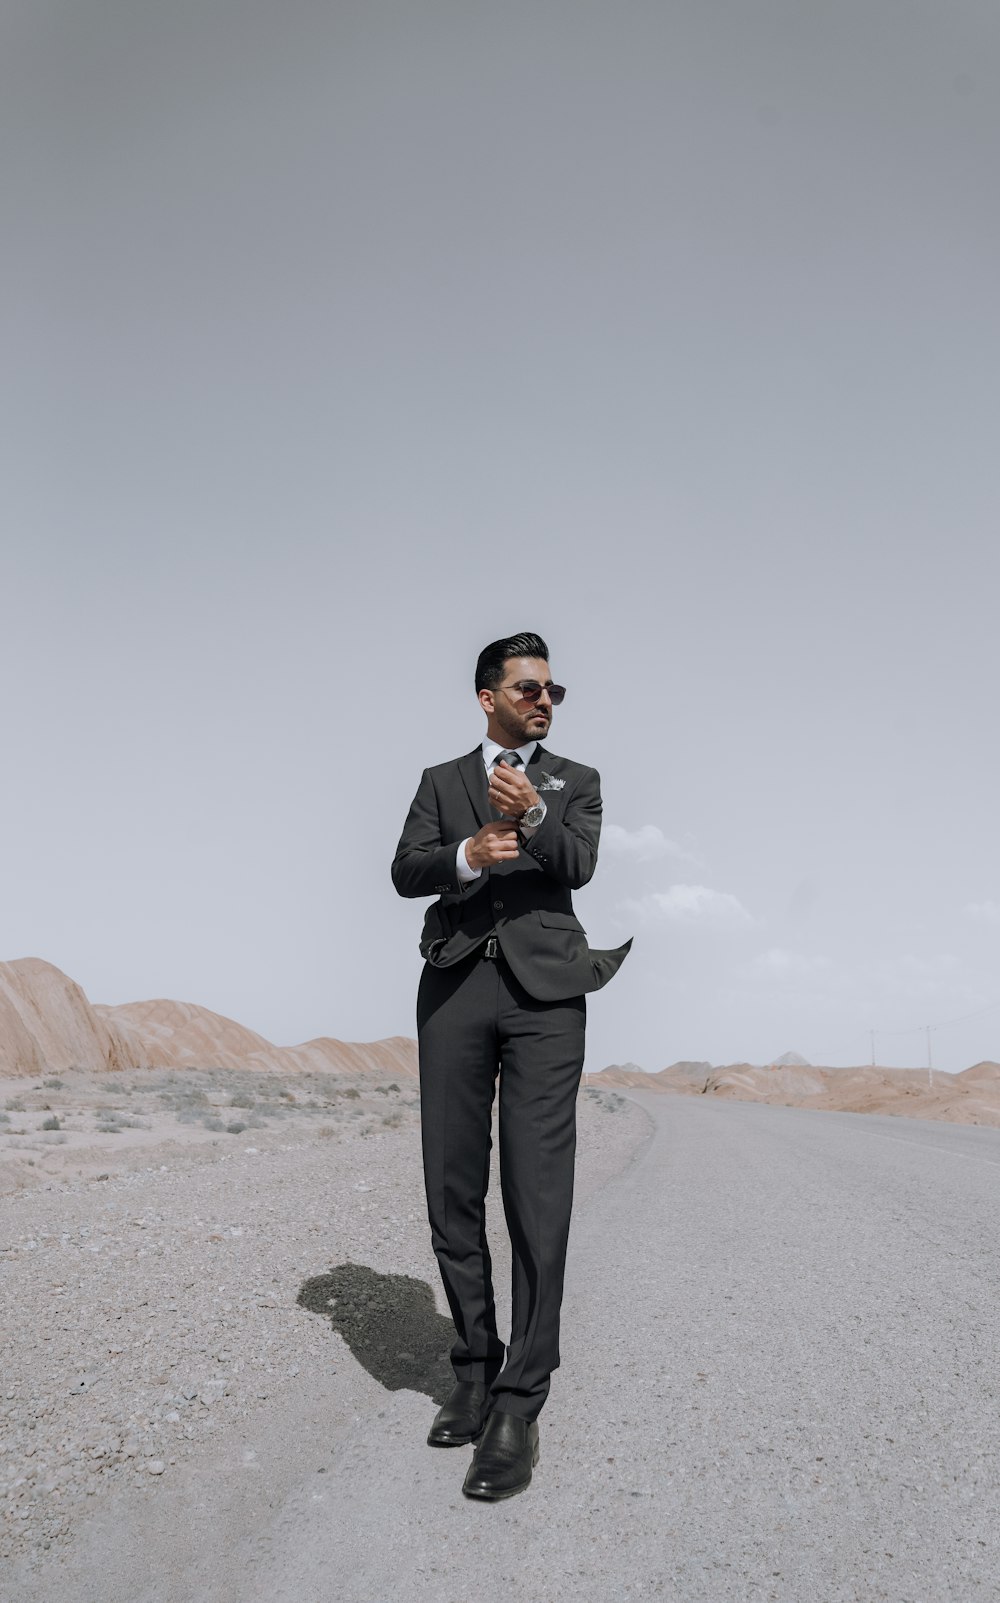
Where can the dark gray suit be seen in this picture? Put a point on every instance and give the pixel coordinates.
(522, 1015)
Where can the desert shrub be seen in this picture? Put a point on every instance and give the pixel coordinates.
(189, 1097)
(4, 1118)
(114, 1123)
(236, 1127)
(352, 1093)
(242, 1099)
(52, 1124)
(213, 1122)
(393, 1120)
(14, 1104)
(54, 1085)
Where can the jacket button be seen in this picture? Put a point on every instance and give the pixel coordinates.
(498, 907)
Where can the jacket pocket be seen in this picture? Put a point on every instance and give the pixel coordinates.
(560, 921)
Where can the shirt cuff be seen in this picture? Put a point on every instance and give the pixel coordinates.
(527, 830)
(465, 874)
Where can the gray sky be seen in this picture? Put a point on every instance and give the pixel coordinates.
(339, 340)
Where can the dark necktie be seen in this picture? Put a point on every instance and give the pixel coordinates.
(513, 760)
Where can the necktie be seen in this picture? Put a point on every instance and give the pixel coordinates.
(513, 760)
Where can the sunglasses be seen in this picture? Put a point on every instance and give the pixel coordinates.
(530, 690)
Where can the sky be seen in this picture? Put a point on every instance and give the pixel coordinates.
(342, 339)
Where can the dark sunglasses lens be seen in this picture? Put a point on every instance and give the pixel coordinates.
(531, 692)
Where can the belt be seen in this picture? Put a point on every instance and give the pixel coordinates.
(491, 949)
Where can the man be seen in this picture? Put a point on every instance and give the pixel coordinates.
(502, 836)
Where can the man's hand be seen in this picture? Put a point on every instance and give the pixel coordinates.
(494, 843)
(511, 791)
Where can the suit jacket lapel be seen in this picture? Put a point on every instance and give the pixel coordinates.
(473, 772)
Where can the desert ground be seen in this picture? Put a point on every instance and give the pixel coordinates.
(778, 1379)
(177, 1255)
(970, 1097)
(225, 1335)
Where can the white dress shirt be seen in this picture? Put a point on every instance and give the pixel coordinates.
(491, 751)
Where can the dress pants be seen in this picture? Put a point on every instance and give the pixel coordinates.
(476, 1021)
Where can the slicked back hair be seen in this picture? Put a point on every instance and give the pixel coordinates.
(489, 668)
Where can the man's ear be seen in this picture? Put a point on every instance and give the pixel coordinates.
(487, 701)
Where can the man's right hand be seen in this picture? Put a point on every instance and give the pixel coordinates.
(494, 843)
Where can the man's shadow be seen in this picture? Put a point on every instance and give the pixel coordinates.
(390, 1324)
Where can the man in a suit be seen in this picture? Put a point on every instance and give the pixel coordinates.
(502, 837)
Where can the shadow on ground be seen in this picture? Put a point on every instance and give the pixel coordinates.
(390, 1324)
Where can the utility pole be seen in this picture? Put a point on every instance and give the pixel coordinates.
(930, 1061)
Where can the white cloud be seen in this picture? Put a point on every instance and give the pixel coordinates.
(647, 844)
(690, 904)
(984, 912)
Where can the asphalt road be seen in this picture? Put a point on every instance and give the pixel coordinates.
(779, 1381)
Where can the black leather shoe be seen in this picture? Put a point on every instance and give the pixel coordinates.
(460, 1419)
(504, 1459)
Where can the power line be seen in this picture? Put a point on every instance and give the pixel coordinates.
(913, 1029)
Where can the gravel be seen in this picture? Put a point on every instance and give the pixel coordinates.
(149, 1307)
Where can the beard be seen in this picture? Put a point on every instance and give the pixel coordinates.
(520, 729)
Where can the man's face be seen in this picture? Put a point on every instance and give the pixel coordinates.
(513, 719)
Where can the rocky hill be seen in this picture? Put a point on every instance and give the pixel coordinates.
(48, 1024)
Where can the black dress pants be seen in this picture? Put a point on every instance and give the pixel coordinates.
(475, 1022)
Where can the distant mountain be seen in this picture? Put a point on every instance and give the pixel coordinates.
(47, 1023)
(790, 1060)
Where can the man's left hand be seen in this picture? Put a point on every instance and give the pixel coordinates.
(511, 790)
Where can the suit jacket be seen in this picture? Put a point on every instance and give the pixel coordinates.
(527, 902)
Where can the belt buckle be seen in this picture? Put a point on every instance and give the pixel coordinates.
(490, 949)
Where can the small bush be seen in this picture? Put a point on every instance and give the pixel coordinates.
(236, 1127)
(352, 1093)
(54, 1085)
(242, 1099)
(186, 1098)
(107, 1128)
(213, 1122)
(14, 1104)
(52, 1124)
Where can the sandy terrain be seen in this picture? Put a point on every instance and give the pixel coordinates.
(972, 1097)
(77, 1124)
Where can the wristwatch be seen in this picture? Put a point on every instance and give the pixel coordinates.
(533, 815)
